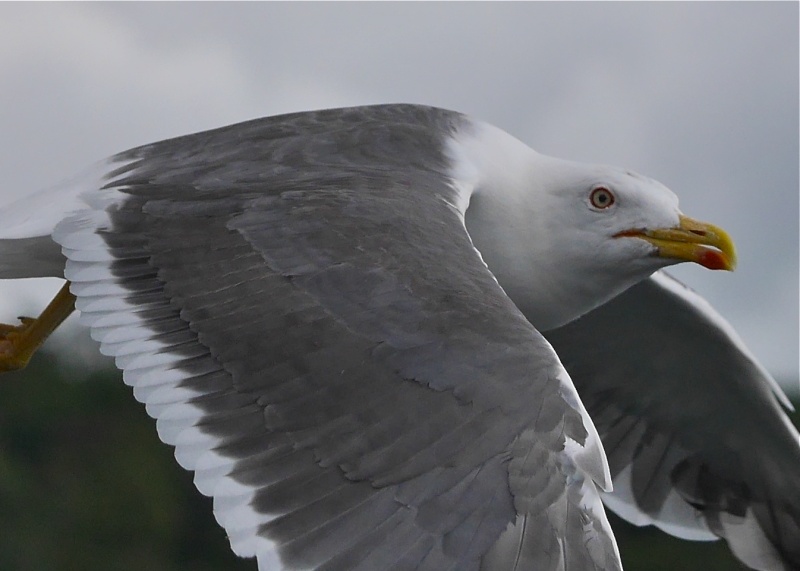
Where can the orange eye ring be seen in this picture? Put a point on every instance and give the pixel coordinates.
(601, 198)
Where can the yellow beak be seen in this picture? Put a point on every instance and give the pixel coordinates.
(692, 241)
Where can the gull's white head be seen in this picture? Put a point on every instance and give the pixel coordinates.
(564, 237)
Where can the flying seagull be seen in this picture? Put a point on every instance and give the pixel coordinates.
(396, 338)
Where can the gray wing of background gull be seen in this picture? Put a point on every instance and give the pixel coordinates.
(696, 439)
(317, 336)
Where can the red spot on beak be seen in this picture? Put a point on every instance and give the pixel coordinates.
(713, 260)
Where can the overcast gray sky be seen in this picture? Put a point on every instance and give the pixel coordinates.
(701, 96)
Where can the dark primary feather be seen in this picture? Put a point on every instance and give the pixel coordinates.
(356, 359)
(678, 402)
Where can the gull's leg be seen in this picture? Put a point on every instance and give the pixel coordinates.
(18, 343)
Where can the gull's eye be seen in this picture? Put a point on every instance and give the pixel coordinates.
(601, 197)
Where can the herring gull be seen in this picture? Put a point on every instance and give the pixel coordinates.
(363, 330)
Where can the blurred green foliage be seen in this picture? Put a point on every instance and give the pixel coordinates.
(86, 484)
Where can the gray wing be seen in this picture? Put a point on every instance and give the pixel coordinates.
(696, 439)
(297, 302)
